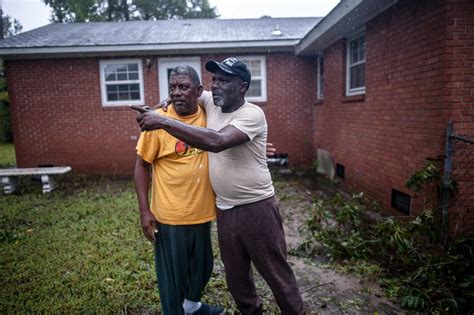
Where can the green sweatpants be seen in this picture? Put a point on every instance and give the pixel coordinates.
(183, 262)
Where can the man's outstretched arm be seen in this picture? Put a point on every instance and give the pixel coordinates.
(201, 138)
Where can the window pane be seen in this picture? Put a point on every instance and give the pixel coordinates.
(121, 68)
(357, 50)
(353, 53)
(123, 87)
(254, 63)
(121, 72)
(256, 72)
(111, 88)
(112, 96)
(112, 92)
(123, 96)
(321, 87)
(110, 77)
(255, 68)
(121, 76)
(255, 89)
(134, 87)
(111, 68)
(123, 92)
(357, 76)
(362, 48)
(321, 77)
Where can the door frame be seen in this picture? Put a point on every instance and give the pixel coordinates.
(164, 64)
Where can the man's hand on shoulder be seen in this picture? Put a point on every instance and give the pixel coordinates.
(270, 149)
(164, 104)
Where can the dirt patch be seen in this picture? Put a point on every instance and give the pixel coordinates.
(324, 291)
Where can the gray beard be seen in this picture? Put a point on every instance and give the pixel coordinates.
(219, 102)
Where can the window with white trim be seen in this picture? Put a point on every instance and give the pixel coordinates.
(257, 91)
(320, 77)
(121, 82)
(355, 70)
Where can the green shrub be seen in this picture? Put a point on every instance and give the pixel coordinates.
(6, 134)
(414, 265)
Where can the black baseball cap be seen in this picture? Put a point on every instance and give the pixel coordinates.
(232, 66)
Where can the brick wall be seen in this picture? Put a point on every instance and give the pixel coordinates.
(459, 94)
(58, 117)
(291, 91)
(383, 139)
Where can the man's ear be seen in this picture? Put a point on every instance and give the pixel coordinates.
(244, 86)
(199, 90)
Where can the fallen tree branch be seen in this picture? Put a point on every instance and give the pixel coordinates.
(315, 286)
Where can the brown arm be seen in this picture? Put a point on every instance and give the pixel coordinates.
(142, 177)
(201, 138)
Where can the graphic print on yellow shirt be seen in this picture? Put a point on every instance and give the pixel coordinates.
(184, 149)
(181, 190)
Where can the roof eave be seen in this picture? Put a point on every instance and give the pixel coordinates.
(345, 18)
(286, 45)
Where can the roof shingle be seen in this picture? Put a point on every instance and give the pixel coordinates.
(161, 32)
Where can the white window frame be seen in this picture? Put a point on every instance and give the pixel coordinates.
(167, 63)
(358, 90)
(103, 83)
(263, 77)
(320, 76)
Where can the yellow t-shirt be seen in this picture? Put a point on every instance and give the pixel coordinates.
(181, 189)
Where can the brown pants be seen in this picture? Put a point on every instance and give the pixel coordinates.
(254, 233)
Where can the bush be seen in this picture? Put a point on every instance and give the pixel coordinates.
(6, 134)
(414, 265)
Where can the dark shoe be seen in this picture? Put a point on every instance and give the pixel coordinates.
(207, 309)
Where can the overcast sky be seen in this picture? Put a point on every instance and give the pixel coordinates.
(33, 13)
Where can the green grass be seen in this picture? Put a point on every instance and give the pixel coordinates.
(7, 155)
(79, 249)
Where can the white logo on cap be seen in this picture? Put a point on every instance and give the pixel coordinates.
(230, 61)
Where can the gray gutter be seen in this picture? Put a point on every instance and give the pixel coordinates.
(155, 49)
(347, 17)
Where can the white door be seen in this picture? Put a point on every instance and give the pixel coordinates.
(165, 65)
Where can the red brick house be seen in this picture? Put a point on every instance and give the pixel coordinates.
(392, 79)
(374, 83)
(70, 84)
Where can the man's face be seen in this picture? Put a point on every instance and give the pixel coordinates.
(226, 89)
(184, 94)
